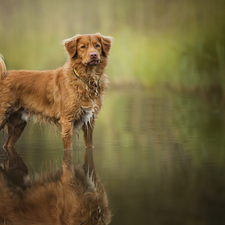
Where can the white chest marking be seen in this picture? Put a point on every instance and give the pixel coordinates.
(86, 118)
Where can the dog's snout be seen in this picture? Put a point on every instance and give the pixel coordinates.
(93, 55)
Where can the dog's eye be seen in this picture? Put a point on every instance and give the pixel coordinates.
(97, 45)
(83, 46)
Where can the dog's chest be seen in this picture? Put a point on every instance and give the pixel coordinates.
(87, 117)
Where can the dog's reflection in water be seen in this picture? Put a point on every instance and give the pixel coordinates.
(70, 195)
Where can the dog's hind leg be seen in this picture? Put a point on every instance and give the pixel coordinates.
(4, 121)
(4, 115)
(16, 124)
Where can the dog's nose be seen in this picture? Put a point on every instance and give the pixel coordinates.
(93, 55)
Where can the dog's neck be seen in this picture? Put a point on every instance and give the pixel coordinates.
(90, 72)
(93, 85)
(85, 71)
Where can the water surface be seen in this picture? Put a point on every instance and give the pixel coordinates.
(160, 156)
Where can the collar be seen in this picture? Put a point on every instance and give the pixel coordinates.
(92, 87)
(94, 216)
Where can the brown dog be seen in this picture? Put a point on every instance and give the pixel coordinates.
(70, 96)
(72, 196)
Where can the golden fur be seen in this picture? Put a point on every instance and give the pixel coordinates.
(58, 96)
(65, 196)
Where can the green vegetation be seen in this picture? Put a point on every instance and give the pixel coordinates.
(176, 43)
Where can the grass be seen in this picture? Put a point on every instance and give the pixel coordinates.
(182, 46)
(194, 63)
(141, 59)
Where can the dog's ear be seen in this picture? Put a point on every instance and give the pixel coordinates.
(71, 45)
(106, 42)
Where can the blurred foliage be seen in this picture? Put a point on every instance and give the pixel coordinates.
(178, 43)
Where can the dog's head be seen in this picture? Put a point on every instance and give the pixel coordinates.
(88, 49)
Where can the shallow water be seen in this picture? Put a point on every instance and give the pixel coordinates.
(160, 156)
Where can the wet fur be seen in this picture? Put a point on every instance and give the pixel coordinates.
(65, 196)
(58, 96)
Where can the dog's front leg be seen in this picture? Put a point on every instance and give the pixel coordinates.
(66, 133)
(88, 134)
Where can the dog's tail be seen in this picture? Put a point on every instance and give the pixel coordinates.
(2, 67)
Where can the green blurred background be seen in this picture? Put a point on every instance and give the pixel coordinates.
(173, 43)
